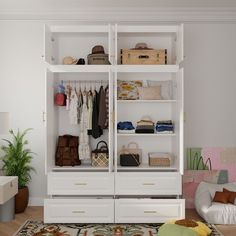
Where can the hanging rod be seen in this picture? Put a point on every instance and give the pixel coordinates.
(84, 81)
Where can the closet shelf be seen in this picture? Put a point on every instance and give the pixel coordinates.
(82, 167)
(146, 167)
(148, 68)
(146, 101)
(144, 135)
(79, 68)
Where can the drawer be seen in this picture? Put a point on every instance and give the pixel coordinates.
(148, 184)
(78, 210)
(8, 188)
(148, 210)
(80, 183)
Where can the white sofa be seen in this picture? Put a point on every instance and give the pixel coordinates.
(214, 212)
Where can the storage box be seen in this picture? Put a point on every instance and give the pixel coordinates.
(98, 59)
(143, 56)
(160, 159)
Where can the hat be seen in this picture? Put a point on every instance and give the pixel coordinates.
(98, 49)
(69, 61)
(141, 46)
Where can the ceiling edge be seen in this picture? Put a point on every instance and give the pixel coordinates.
(128, 14)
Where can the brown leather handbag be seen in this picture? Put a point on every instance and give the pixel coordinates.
(67, 151)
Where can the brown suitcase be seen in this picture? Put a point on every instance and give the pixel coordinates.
(67, 151)
(143, 56)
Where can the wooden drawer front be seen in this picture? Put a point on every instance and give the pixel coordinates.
(148, 210)
(78, 210)
(148, 184)
(80, 184)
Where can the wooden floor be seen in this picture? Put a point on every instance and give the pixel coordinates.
(36, 213)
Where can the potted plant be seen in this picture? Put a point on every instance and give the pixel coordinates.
(16, 162)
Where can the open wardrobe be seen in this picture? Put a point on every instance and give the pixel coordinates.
(114, 123)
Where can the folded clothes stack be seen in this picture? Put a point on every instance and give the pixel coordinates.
(125, 127)
(145, 126)
(165, 126)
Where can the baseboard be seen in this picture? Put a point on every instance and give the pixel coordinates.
(36, 201)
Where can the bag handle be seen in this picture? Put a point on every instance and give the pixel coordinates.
(103, 143)
(135, 159)
(134, 143)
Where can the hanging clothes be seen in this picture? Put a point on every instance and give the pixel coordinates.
(102, 108)
(90, 111)
(68, 94)
(96, 129)
(73, 109)
(84, 148)
(80, 105)
(107, 107)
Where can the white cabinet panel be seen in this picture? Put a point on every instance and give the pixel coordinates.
(148, 210)
(148, 184)
(78, 210)
(62, 183)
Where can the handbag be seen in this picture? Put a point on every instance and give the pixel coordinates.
(100, 156)
(130, 156)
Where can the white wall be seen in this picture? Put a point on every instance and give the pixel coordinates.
(210, 84)
(22, 88)
(210, 98)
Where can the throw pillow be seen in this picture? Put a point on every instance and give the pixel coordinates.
(232, 196)
(166, 88)
(128, 90)
(221, 197)
(150, 93)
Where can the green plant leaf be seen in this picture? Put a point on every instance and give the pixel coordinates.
(17, 158)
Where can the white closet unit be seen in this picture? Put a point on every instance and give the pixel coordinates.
(115, 194)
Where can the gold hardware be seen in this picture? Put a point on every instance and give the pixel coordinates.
(82, 184)
(148, 184)
(79, 212)
(149, 212)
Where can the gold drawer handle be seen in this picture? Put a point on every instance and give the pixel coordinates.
(148, 184)
(81, 184)
(78, 212)
(149, 212)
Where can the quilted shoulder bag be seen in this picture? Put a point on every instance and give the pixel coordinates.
(130, 155)
(100, 156)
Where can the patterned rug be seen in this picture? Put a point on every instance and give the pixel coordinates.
(37, 228)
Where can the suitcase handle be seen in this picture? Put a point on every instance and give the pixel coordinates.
(143, 56)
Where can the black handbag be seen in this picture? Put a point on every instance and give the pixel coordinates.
(130, 156)
(129, 160)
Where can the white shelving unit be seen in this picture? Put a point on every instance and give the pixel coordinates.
(77, 192)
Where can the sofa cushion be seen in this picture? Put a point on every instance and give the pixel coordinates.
(232, 195)
(222, 197)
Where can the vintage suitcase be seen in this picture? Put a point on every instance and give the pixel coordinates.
(143, 56)
(98, 59)
(67, 151)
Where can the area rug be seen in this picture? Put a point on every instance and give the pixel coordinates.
(37, 228)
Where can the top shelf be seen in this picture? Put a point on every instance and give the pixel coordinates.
(147, 68)
(118, 68)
